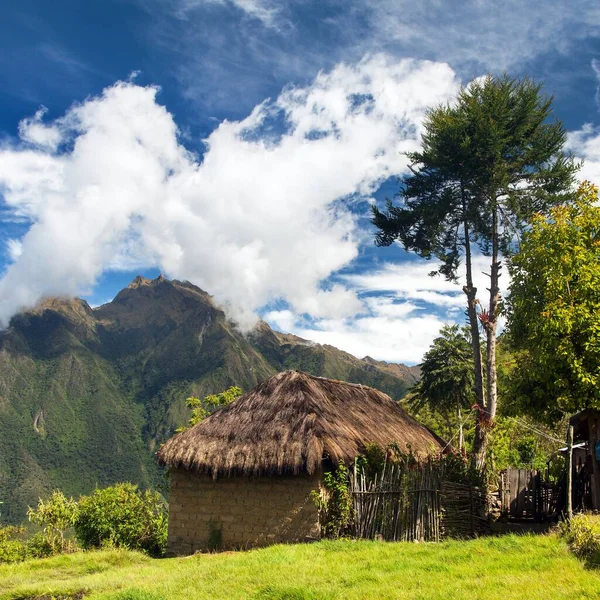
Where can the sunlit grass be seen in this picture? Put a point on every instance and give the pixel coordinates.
(528, 567)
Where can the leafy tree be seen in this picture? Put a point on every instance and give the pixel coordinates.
(202, 408)
(554, 310)
(489, 161)
(446, 383)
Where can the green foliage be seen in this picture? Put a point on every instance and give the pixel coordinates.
(40, 545)
(215, 537)
(123, 516)
(489, 161)
(334, 503)
(447, 376)
(12, 547)
(513, 445)
(554, 310)
(55, 515)
(202, 408)
(494, 149)
(447, 373)
(582, 534)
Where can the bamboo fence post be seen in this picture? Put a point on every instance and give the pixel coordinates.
(570, 472)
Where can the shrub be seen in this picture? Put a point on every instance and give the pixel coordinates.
(55, 515)
(12, 548)
(123, 516)
(582, 534)
(40, 546)
(334, 503)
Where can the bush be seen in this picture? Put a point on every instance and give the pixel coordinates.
(12, 548)
(41, 546)
(55, 515)
(123, 516)
(582, 534)
(334, 503)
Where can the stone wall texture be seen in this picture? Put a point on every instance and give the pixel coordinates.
(239, 512)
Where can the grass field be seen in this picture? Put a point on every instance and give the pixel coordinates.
(528, 567)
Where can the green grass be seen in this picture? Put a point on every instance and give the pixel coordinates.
(528, 567)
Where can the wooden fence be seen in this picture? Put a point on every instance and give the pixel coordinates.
(524, 495)
(403, 504)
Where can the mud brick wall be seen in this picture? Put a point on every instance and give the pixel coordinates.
(247, 511)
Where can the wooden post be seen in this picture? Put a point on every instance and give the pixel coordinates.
(593, 438)
(570, 472)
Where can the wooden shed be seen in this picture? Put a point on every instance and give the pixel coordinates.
(586, 459)
(244, 476)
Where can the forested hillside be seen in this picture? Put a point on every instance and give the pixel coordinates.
(86, 395)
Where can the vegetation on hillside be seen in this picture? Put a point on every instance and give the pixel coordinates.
(86, 396)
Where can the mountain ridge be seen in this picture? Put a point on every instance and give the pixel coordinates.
(87, 394)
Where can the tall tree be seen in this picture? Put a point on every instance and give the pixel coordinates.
(446, 383)
(489, 161)
(554, 310)
(554, 315)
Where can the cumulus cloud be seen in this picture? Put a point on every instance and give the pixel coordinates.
(35, 132)
(392, 331)
(404, 309)
(263, 215)
(585, 144)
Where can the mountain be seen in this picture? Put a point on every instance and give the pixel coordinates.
(86, 395)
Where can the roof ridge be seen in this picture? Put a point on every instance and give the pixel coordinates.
(340, 381)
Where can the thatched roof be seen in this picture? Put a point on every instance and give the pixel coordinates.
(289, 423)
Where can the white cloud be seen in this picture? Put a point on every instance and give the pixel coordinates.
(35, 132)
(223, 65)
(14, 249)
(258, 218)
(495, 35)
(596, 69)
(585, 144)
(392, 333)
(266, 11)
(410, 281)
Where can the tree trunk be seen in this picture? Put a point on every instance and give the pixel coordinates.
(461, 440)
(595, 479)
(471, 292)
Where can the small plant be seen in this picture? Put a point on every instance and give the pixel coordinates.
(12, 548)
(215, 537)
(582, 534)
(55, 515)
(334, 503)
(123, 516)
(202, 408)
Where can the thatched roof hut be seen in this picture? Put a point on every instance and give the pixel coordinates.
(289, 423)
(248, 470)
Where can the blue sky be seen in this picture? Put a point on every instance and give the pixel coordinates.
(234, 152)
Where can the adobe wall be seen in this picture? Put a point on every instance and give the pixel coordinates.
(248, 511)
